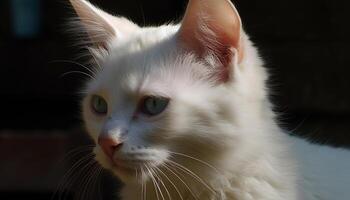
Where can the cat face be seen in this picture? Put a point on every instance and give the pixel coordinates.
(154, 105)
(166, 95)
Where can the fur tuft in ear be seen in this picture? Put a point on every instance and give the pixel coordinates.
(100, 26)
(212, 28)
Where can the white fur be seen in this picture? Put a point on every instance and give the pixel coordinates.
(230, 127)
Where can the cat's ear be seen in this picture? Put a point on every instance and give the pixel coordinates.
(213, 28)
(100, 26)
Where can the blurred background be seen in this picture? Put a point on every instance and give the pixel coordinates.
(304, 42)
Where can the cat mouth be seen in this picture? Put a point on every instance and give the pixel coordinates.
(123, 169)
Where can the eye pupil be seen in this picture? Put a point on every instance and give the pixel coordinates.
(154, 105)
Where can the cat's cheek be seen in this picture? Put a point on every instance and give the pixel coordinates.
(93, 125)
(93, 130)
(101, 158)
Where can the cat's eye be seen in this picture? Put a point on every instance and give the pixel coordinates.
(152, 105)
(99, 105)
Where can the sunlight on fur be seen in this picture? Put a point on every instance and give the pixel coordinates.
(182, 112)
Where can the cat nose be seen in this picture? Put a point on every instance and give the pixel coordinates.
(109, 145)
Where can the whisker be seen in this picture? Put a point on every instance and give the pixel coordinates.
(76, 72)
(81, 191)
(79, 162)
(94, 179)
(84, 182)
(99, 194)
(76, 174)
(64, 183)
(161, 181)
(194, 175)
(72, 153)
(196, 159)
(177, 190)
(144, 183)
(168, 167)
(75, 151)
(76, 63)
(153, 181)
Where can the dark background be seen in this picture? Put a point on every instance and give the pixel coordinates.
(304, 43)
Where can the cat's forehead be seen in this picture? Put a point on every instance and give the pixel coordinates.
(146, 74)
(141, 51)
(149, 62)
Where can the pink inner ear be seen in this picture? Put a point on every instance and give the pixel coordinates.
(213, 27)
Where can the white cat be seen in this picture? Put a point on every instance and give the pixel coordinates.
(181, 112)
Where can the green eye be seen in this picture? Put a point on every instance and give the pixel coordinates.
(99, 105)
(154, 105)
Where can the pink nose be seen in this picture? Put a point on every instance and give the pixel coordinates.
(109, 145)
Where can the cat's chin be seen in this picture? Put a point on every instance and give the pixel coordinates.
(128, 171)
(123, 173)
